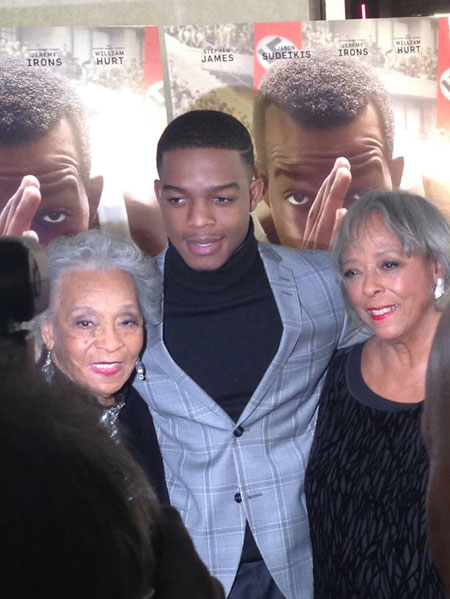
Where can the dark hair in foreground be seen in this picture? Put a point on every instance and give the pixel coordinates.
(322, 92)
(206, 129)
(33, 101)
(76, 512)
(420, 227)
(436, 413)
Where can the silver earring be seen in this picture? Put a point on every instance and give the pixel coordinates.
(48, 370)
(140, 370)
(439, 289)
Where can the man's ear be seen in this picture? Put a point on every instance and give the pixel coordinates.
(47, 335)
(261, 173)
(256, 192)
(94, 190)
(396, 169)
(158, 189)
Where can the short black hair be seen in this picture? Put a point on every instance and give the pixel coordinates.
(33, 101)
(322, 92)
(206, 129)
(76, 512)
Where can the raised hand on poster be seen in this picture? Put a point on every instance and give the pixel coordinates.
(17, 215)
(327, 209)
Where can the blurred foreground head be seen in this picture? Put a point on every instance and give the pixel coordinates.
(436, 431)
(76, 513)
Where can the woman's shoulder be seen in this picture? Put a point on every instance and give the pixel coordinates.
(344, 359)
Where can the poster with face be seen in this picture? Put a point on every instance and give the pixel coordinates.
(400, 138)
(82, 110)
(372, 91)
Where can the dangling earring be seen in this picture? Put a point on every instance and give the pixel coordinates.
(140, 370)
(439, 289)
(48, 370)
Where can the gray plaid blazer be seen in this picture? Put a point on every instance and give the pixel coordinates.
(219, 477)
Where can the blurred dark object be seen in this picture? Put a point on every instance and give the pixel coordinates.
(395, 8)
(24, 293)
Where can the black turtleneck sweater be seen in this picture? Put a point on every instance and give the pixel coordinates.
(222, 327)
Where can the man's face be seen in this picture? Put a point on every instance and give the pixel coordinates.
(206, 196)
(298, 159)
(64, 208)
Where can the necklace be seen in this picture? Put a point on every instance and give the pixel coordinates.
(109, 418)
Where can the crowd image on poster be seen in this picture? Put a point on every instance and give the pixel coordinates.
(117, 75)
(210, 67)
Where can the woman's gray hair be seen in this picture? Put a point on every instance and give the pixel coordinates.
(420, 227)
(103, 251)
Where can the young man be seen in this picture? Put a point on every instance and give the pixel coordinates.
(308, 114)
(235, 370)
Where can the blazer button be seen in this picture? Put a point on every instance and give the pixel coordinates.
(239, 431)
(237, 498)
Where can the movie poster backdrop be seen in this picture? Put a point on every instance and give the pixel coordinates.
(221, 66)
(119, 73)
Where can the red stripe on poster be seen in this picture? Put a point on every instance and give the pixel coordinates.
(443, 75)
(274, 41)
(153, 71)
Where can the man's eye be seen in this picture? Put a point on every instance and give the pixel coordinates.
(299, 199)
(177, 201)
(222, 200)
(54, 217)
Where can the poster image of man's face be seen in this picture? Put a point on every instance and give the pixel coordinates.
(60, 202)
(298, 159)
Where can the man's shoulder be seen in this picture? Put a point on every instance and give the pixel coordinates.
(298, 260)
(160, 259)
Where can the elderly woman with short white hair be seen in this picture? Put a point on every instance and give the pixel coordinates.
(102, 291)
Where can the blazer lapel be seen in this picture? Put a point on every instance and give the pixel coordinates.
(164, 365)
(286, 293)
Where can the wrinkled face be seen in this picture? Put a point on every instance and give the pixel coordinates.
(97, 330)
(391, 292)
(206, 196)
(298, 159)
(54, 160)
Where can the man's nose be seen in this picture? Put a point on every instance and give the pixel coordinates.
(201, 213)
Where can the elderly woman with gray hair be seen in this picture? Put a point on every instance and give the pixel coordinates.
(368, 469)
(102, 290)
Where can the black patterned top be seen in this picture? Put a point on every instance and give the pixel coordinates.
(365, 492)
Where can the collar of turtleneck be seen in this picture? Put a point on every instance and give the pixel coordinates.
(238, 278)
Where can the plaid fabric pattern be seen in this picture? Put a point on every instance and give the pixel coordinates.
(218, 479)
